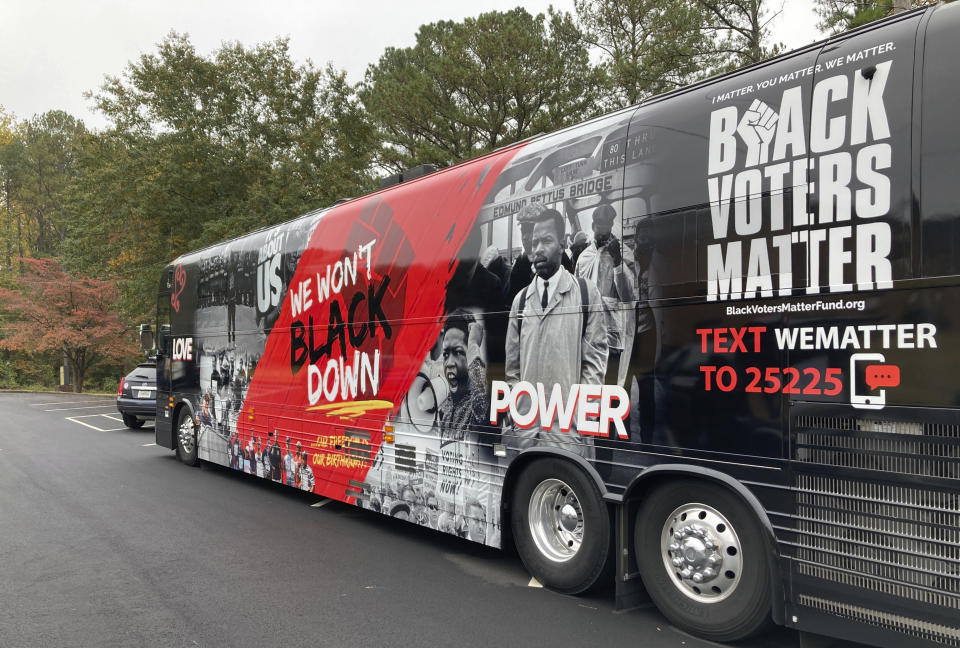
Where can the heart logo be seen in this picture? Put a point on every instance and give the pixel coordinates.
(179, 283)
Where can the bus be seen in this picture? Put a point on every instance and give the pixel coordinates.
(706, 347)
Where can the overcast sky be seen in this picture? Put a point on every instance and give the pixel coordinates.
(52, 51)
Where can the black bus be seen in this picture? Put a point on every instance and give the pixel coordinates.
(705, 346)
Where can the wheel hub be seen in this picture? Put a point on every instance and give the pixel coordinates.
(556, 520)
(187, 436)
(569, 518)
(701, 550)
(694, 553)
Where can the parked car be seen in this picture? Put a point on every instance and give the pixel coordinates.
(137, 395)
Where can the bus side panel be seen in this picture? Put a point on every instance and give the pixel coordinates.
(221, 303)
(256, 273)
(363, 310)
(445, 465)
(303, 353)
(804, 316)
(177, 370)
(163, 424)
(874, 454)
(939, 189)
(712, 206)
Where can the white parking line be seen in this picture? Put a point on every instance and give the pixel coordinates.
(322, 502)
(113, 417)
(68, 402)
(92, 427)
(61, 409)
(147, 445)
(534, 583)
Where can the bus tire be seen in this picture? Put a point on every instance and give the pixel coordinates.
(703, 560)
(560, 525)
(186, 438)
(132, 421)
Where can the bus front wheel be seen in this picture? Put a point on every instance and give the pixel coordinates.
(703, 560)
(560, 525)
(186, 438)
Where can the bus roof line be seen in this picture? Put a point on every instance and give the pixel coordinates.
(877, 24)
(650, 101)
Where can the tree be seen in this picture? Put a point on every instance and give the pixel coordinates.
(466, 88)
(837, 16)
(247, 124)
(9, 153)
(50, 310)
(37, 168)
(48, 162)
(648, 46)
(204, 148)
(741, 30)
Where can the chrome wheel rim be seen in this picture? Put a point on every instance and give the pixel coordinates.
(702, 552)
(556, 520)
(187, 436)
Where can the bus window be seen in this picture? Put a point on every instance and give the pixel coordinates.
(500, 237)
(668, 242)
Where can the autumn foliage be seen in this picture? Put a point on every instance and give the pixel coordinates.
(50, 310)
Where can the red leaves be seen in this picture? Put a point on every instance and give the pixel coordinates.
(49, 309)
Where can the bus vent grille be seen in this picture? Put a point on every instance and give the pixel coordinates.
(934, 632)
(406, 457)
(850, 424)
(357, 444)
(897, 540)
(902, 447)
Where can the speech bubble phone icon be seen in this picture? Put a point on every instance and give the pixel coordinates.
(865, 401)
(882, 375)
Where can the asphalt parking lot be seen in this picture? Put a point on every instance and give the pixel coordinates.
(109, 541)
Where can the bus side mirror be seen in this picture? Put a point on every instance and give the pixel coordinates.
(162, 336)
(146, 338)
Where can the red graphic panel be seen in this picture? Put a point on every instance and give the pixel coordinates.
(338, 359)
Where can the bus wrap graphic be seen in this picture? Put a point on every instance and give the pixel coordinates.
(336, 357)
(845, 242)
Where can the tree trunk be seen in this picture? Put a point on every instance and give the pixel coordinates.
(78, 368)
(900, 5)
(20, 242)
(9, 228)
(41, 239)
(78, 380)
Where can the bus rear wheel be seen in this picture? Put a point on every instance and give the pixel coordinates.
(186, 438)
(703, 560)
(560, 525)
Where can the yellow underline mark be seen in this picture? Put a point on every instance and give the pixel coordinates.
(351, 409)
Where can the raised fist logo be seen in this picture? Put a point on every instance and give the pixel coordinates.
(756, 127)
